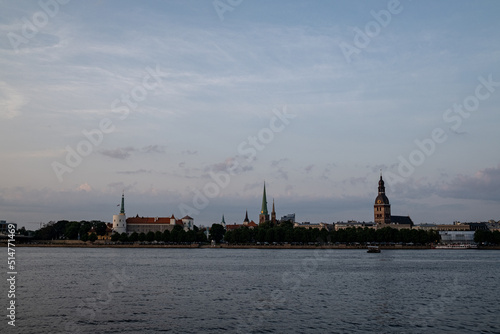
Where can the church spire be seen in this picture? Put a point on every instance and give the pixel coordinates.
(273, 215)
(122, 209)
(264, 202)
(264, 214)
(246, 217)
(381, 187)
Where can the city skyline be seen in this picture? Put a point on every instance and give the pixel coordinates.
(172, 101)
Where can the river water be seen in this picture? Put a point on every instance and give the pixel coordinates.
(111, 290)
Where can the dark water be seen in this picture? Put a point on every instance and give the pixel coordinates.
(66, 290)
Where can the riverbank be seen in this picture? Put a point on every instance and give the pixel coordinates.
(81, 244)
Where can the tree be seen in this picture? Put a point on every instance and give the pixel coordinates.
(142, 237)
(217, 232)
(85, 227)
(71, 230)
(166, 236)
(158, 236)
(100, 228)
(92, 237)
(133, 237)
(150, 236)
(84, 237)
(124, 237)
(115, 237)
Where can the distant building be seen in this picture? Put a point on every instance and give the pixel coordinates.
(122, 224)
(354, 224)
(460, 237)
(157, 224)
(382, 211)
(382, 208)
(4, 227)
(288, 218)
(319, 226)
(246, 223)
(120, 220)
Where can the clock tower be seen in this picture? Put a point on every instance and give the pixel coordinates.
(382, 208)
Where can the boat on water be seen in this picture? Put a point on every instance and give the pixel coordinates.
(373, 249)
(456, 246)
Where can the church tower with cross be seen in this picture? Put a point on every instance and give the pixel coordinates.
(382, 208)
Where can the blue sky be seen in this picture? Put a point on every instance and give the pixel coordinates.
(171, 94)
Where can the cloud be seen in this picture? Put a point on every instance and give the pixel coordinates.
(119, 153)
(232, 165)
(123, 153)
(189, 152)
(153, 149)
(10, 101)
(84, 187)
(309, 168)
(139, 171)
(483, 185)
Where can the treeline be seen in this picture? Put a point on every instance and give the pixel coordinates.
(177, 235)
(70, 230)
(491, 237)
(287, 233)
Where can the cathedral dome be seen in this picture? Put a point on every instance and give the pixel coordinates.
(381, 199)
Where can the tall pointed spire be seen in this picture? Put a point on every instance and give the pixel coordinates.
(246, 217)
(122, 209)
(263, 210)
(273, 215)
(264, 214)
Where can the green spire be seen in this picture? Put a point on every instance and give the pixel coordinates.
(263, 211)
(223, 221)
(122, 210)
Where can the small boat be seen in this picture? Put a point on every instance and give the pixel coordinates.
(373, 249)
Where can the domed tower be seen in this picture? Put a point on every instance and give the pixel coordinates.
(120, 221)
(382, 208)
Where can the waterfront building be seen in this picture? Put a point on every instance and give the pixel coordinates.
(382, 211)
(308, 225)
(288, 218)
(457, 237)
(246, 222)
(382, 207)
(4, 227)
(157, 224)
(122, 224)
(354, 224)
(120, 220)
(264, 214)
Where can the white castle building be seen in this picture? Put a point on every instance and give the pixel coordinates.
(120, 220)
(122, 224)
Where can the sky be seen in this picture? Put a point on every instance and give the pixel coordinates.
(188, 107)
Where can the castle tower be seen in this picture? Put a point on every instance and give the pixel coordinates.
(273, 215)
(120, 220)
(382, 208)
(264, 215)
